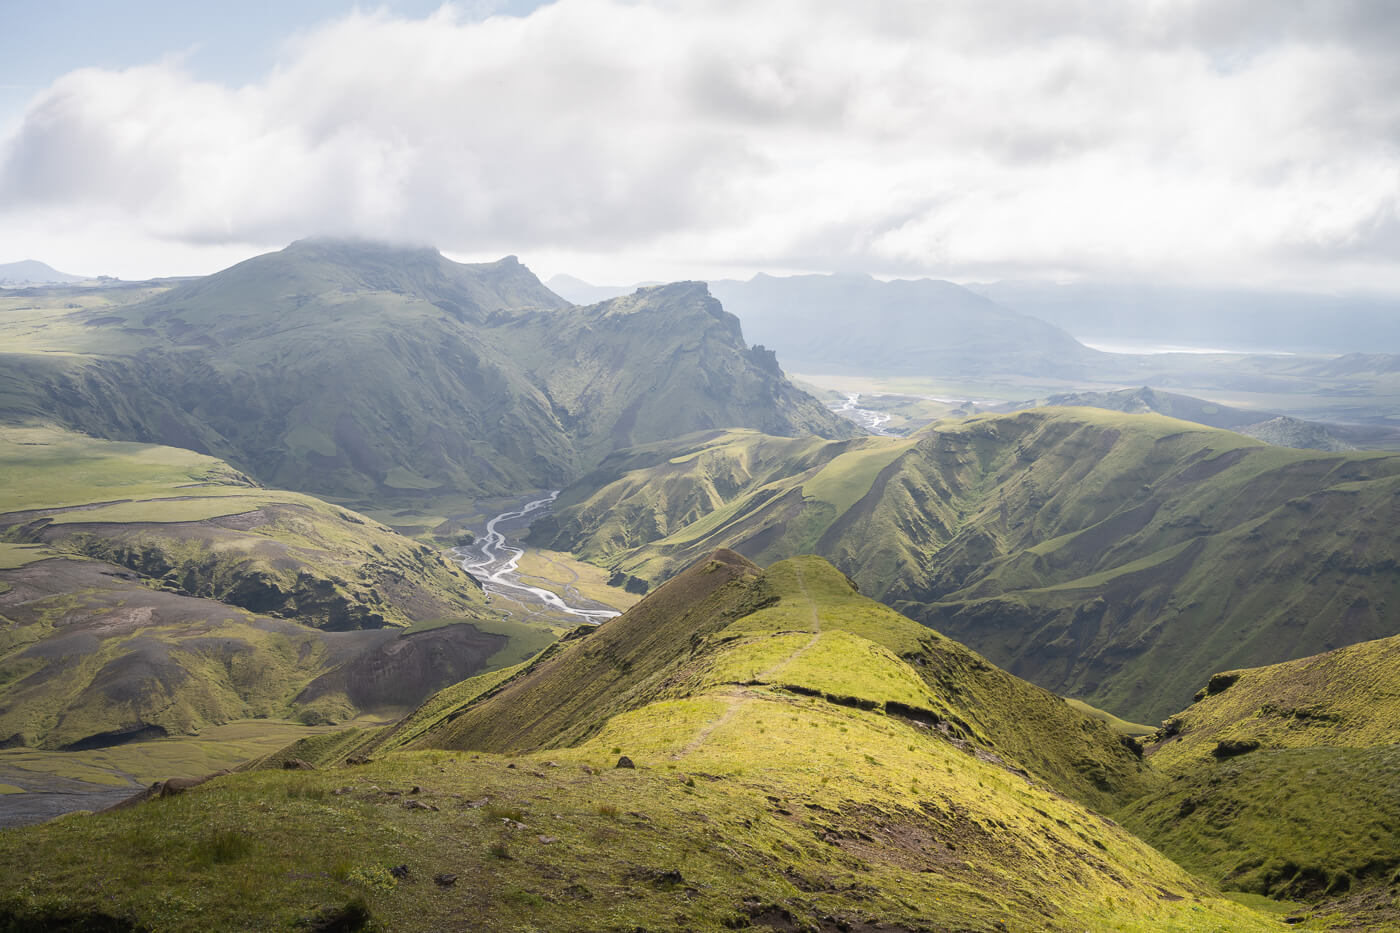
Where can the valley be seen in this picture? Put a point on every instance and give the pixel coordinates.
(595, 611)
(974, 507)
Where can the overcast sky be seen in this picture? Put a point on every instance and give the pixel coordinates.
(1251, 142)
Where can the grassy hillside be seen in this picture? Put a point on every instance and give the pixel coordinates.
(1284, 780)
(147, 590)
(370, 372)
(1117, 558)
(798, 627)
(795, 765)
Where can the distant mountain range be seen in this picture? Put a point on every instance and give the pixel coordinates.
(748, 746)
(33, 272)
(1139, 317)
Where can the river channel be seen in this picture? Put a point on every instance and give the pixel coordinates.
(872, 421)
(496, 563)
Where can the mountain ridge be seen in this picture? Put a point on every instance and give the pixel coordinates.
(366, 371)
(1075, 547)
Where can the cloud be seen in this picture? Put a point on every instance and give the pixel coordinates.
(1168, 138)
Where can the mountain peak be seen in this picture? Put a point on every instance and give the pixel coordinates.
(33, 272)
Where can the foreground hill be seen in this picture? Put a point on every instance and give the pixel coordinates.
(1284, 781)
(365, 370)
(147, 591)
(797, 757)
(1118, 558)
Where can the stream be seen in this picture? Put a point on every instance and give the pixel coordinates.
(495, 563)
(872, 421)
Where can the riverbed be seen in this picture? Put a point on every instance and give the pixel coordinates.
(494, 561)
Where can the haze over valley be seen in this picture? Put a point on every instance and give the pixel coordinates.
(978, 514)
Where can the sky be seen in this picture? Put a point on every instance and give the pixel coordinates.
(1250, 143)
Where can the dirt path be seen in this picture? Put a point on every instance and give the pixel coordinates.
(734, 697)
(732, 700)
(773, 671)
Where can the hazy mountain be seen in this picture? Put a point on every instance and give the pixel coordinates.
(859, 325)
(360, 369)
(582, 293)
(1118, 558)
(1140, 316)
(32, 272)
(742, 749)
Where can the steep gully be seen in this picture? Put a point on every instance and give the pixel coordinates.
(495, 563)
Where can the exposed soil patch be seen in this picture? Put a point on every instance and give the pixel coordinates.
(403, 671)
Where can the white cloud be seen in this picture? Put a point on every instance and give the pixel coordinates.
(1226, 140)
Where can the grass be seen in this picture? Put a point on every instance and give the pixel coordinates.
(1121, 726)
(1296, 823)
(748, 804)
(559, 572)
(1283, 779)
(191, 509)
(1347, 698)
(215, 748)
(48, 467)
(17, 555)
(617, 837)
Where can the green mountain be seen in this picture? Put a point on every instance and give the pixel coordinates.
(367, 371)
(768, 750)
(1116, 558)
(148, 591)
(1284, 781)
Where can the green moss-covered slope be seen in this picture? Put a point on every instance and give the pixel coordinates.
(800, 758)
(150, 590)
(801, 628)
(1118, 558)
(1283, 781)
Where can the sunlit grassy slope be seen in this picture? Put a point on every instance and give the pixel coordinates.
(1117, 558)
(1284, 780)
(803, 759)
(150, 588)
